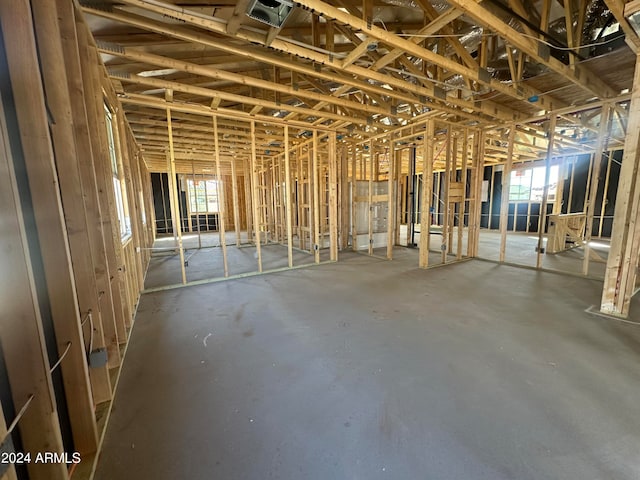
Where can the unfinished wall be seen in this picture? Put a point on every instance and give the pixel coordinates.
(70, 279)
(575, 172)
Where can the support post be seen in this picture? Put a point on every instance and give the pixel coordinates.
(316, 198)
(195, 197)
(427, 194)
(21, 333)
(620, 273)
(545, 191)
(344, 198)
(475, 204)
(504, 199)
(333, 198)
(592, 192)
(254, 195)
(354, 203)
(463, 204)
(174, 199)
(236, 206)
(288, 193)
(221, 198)
(391, 224)
(370, 197)
(447, 206)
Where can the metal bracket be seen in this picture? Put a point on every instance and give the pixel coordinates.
(484, 75)
(98, 358)
(440, 93)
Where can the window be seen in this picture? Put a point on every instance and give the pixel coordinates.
(527, 185)
(203, 197)
(122, 206)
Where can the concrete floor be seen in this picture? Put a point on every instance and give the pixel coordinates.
(206, 262)
(369, 369)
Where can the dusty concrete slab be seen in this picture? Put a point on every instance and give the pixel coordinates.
(370, 369)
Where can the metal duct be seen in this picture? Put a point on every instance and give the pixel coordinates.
(598, 16)
(402, 3)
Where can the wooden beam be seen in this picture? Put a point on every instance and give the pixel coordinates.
(23, 348)
(504, 199)
(475, 204)
(218, 74)
(230, 97)
(313, 189)
(427, 194)
(333, 198)
(238, 16)
(446, 225)
(579, 75)
(100, 164)
(411, 48)
(445, 18)
(39, 428)
(621, 270)
(236, 206)
(288, 196)
(284, 46)
(185, 107)
(390, 154)
(592, 188)
(257, 224)
(545, 192)
(109, 304)
(372, 158)
(174, 199)
(463, 204)
(617, 7)
(186, 35)
(71, 191)
(221, 196)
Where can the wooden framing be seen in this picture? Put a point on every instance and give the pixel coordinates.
(504, 203)
(16, 23)
(314, 178)
(64, 154)
(333, 198)
(592, 188)
(254, 195)
(174, 199)
(221, 197)
(545, 193)
(427, 194)
(620, 273)
(296, 126)
(22, 339)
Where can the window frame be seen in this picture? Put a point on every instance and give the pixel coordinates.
(210, 185)
(117, 176)
(533, 186)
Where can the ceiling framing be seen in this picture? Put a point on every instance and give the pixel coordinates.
(365, 69)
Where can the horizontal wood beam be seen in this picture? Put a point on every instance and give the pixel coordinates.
(154, 102)
(218, 74)
(577, 74)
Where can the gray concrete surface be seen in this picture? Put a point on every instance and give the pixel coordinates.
(369, 369)
(207, 263)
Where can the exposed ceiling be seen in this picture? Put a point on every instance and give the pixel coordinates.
(361, 68)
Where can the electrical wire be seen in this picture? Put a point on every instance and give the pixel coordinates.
(91, 332)
(19, 416)
(64, 354)
(555, 47)
(533, 37)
